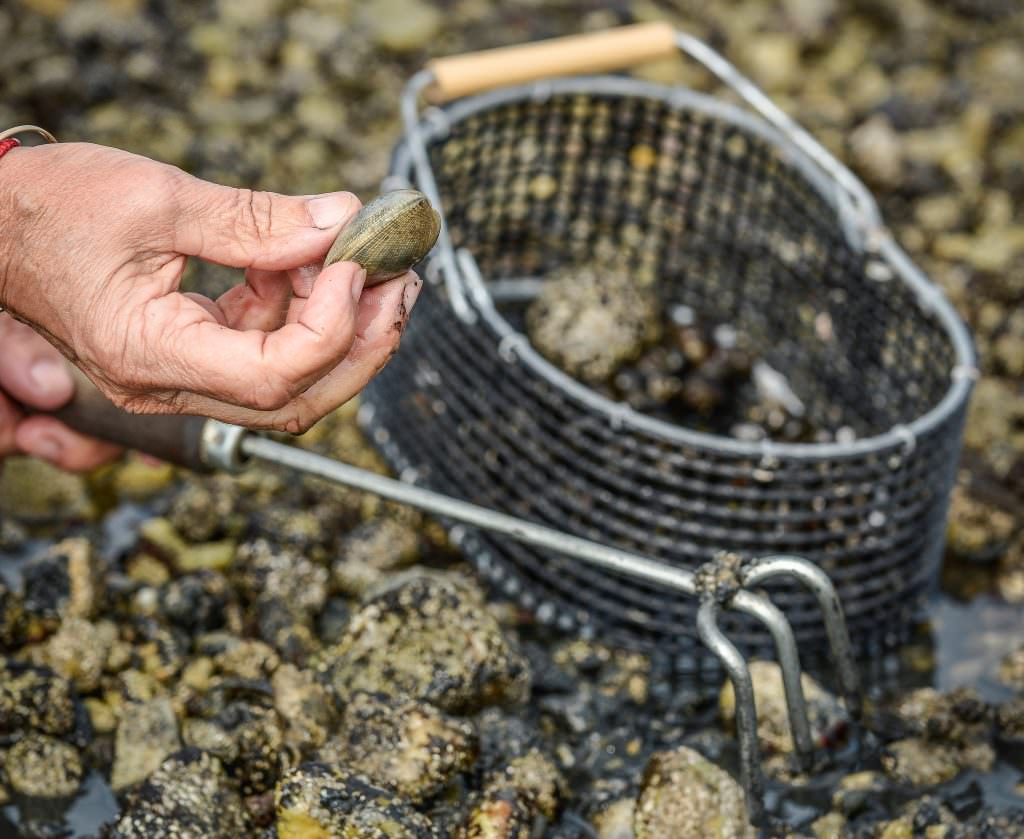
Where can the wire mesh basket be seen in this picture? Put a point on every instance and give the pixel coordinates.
(740, 215)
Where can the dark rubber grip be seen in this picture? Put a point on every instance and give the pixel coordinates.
(175, 439)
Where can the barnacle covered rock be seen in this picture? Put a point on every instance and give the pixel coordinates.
(64, 582)
(947, 732)
(1011, 669)
(36, 699)
(515, 799)
(33, 490)
(306, 706)
(380, 545)
(205, 510)
(13, 622)
(919, 762)
(196, 602)
(78, 651)
(924, 817)
(40, 766)
(591, 319)
(247, 739)
(615, 820)
(187, 797)
(428, 636)
(405, 745)
(826, 713)
(286, 591)
(146, 735)
(685, 796)
(960, 716)
(321, 801)
(247, 658)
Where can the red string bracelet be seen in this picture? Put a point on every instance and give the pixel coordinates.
(8, 144)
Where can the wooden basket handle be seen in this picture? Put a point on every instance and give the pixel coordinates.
(597, 52)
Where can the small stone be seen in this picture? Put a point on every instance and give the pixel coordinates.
(137, 479)
(920, 762)
(101, 715)
(515, 799)
(685, 796)
(407, 746)
(591, 320)
(430, 637)
(78, 651)
(304, 704)
(197, 673)
(247, 739)
(206, 510)
(147, 570)
(319, 801)
(401, 25)
(211, 556)
(877, 151)
(1011, 669)
(248, 659)
(146, 735)
(826, 713)
(33, 490)
(774, 60)
(13, 621)
(976, 531)
(160, 535)
(40, 766)
(616, 820)
(370, 551)
(187, 797)
(829, 826)
(937, 213)
(35, 699)
(858, 790)
(64, 582)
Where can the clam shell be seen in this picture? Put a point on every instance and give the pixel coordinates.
(388, 236)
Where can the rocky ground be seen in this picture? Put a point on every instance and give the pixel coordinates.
(243, 656)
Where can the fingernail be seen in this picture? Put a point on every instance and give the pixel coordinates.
(411, 294)
(328, 211)
(358, 281)
(46, 447)
(50, 377)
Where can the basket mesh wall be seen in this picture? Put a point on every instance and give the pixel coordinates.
(714, 216)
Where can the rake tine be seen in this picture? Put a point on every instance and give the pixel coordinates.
(746, 713)
(814, 578)
(760, 607)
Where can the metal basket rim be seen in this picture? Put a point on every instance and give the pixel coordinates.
(435, 125)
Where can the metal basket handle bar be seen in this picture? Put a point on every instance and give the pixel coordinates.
(456, 76)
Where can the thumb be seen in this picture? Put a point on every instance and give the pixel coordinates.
(244, 228)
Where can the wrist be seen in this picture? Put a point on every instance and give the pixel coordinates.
(14, 168)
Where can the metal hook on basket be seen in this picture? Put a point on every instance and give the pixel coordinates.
(760, 571)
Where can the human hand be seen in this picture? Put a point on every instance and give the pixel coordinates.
(34, 374)
(95, 244)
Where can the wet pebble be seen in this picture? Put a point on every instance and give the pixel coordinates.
(515, 800)
(686, 796)
(428, 636)
(40, 766)
(407, 746)
(187, 797)
(330, 802)
(146, 734)
(374, 548)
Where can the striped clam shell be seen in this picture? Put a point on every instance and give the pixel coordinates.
(388, 236)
